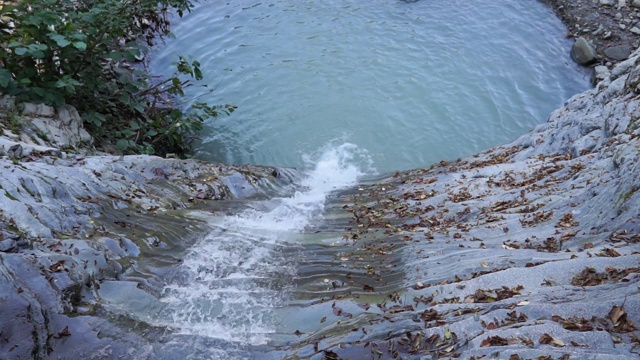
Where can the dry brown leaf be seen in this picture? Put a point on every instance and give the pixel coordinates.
(617, 315)
(548, 339)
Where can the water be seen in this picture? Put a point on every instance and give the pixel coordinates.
(233, 281)
(412, 82)
(340, 89)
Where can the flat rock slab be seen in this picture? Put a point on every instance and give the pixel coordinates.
(620, 52)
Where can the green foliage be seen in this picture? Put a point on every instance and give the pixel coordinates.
(84, 53)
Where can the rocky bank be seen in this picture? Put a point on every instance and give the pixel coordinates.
(606, 31)
(70, 223)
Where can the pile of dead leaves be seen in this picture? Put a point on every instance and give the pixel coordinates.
(590, 277)
(487, 296)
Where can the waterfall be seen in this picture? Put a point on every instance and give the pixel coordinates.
(234, 277)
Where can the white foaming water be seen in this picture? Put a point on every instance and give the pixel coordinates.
(233, 279)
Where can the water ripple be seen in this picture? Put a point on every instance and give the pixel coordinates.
(411, 82)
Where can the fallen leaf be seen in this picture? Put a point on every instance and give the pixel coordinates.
(548, 339)
(617, 314)
(419, 286)
(494, 341)
(57, 267)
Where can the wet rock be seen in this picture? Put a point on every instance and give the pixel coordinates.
(583, 52)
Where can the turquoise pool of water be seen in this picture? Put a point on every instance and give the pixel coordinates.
(409, 82)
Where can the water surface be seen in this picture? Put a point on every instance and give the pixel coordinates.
(411, 82)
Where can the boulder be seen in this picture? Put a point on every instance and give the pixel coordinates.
(583, 52)
(620, 52)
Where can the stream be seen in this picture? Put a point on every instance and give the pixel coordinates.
(347, 92)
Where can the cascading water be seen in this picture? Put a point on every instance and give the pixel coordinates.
(234, 278)
(411, 82)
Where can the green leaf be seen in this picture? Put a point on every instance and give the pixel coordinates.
(20, 51)
(78, 36)
(80, 45)
(63, 42)
(6, 9)
(124, 98)
(198, 73)
(115, 56)
(5, 77)
(122, 144)
(60, 40)
(124, 79)
(129, 55)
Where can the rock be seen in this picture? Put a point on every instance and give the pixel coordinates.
(8, 245)
(635, 30)
(636, 3)
(599, 30)
(30, 109)
(607, 2)
(600, 73)
(46, 126)
(620, 52)
(633, 80)
(8, 103)
(19, 149)
(583, 52)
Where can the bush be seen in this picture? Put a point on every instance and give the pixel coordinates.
(84, 53)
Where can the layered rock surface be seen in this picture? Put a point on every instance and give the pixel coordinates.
(525, 250)
(71, 222)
